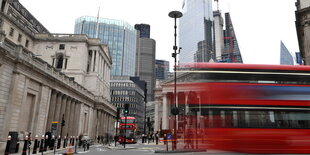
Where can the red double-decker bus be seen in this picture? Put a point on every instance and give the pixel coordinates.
(128, 130)
(244, 108)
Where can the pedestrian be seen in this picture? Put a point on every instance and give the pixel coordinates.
(165, 138)
(156, 138)
(142, 138)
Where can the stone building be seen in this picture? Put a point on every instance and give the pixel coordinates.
(124, 90)
(303, 29)
(47, 78)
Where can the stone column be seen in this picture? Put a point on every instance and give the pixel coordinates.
(102, 122)
(63, 107)
(109, 123)
(98, 123)
(72, 119)
(97, 62)
(156, 115)
(77, 113)
(62, 115)
(105, 71)
(58, 107)
(106, 124)
(99, 72)
(67, 115)
(165, 113)
(51, 110)
(186, 104)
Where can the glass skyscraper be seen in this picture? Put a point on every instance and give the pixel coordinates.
(286, 57)
(195, 26)
(162, 69)
(118, 35)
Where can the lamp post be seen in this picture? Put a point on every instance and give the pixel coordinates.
(175, 111)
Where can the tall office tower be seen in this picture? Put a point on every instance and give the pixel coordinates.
(196, 26)
(231, 48)
(161, 69)
(144, 29)
(145, 63)
(286, 57)
(218, 35)
(129, 90)
(118, 35)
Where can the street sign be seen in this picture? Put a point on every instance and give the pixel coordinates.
(169, 136)
(54, 129)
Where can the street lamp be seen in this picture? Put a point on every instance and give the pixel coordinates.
(175, 110)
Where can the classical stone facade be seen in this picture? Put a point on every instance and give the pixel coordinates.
(47, 78)
(164, 102)
(303, 29)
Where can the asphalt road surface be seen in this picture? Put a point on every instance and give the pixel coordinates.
(140, 149)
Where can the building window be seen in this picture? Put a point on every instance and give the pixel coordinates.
(90, 55)
(62, 46)
(59, 61)
(19, 39)
(11, 32)
(66, 62)
(27, 43)
(53, 62)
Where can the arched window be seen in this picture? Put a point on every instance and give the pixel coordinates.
(59, 61)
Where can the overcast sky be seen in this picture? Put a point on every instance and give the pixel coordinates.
(259, 24)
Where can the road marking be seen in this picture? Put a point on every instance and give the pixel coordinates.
(100, 149)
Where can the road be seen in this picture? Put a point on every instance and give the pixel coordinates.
(140, 149)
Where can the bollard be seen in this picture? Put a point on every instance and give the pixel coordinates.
(70, 141)
(73, 140)
(54, 142)
(76, 142)
(7, 148)
(45, 143)
(64, 145)
(29, 144)
(25, 146)
(58, 143)
(41, 144)
(35, 145)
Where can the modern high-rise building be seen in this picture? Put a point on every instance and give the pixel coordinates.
(231, 52)
(118, 35)
(218, 35)
(145, 30)
(286, 57)
(161, 69)
(145, 61)
(196, 27)
(124, 90)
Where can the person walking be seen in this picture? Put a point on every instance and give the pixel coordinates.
(156, 137)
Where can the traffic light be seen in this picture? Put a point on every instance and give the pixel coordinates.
(63, 122)
(126, 110)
